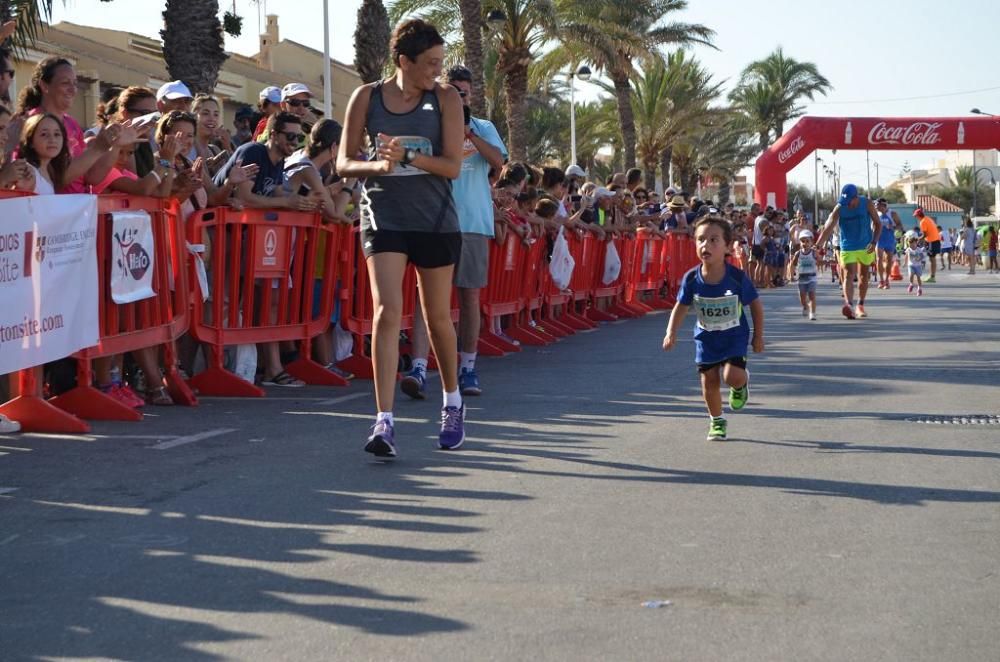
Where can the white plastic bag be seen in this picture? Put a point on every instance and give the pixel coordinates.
(239, 359)
(562, 264)
(612, 264)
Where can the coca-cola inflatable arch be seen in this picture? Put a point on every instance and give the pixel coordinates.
(911, 133)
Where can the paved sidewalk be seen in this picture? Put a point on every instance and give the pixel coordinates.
(851, 516)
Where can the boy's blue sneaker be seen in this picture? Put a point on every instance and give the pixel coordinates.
(468, 382)
(452, 427)
(381, 442)
(414, 384)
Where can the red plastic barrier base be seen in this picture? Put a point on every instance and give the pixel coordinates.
(221, 382)
(496, 341)
(179, 390)
(361, 366)
(486, 347)
(37, 415)
(598, 315)
(527, 335)
(92, 404)
(313, 373)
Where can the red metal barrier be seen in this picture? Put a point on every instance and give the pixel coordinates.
(533, 281)
(262, 257)
(154, 322)
(503, 294)
(584, 251)
(358, 309)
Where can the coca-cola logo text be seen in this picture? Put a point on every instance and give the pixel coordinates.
(917, 133)
(791, 150)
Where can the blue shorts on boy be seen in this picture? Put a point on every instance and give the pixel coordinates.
(722, 330)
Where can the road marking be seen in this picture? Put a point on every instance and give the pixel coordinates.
(8, 490)
(9, 539)
(192, 438)
(15, 448)
(365, 417)
(343, 398)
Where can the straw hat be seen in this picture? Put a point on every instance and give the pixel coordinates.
(676, 203)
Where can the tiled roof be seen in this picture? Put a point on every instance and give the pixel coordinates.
(932, 203)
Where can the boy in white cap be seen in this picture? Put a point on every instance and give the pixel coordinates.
(268, 102)
(805, 259)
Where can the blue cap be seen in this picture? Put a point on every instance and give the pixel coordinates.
(848, 193)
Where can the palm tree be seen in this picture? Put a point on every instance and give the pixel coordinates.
(614, 34)
(790, 82)
(30, 14)
(371, 41)
(472, 36)
(193, 45)
(671, 101)
(756, 105)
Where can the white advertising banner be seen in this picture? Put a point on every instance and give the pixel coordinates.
(133, 256)
(48, 278)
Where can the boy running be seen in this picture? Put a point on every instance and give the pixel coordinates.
(718, 291)
(806, 261)
(915, 259)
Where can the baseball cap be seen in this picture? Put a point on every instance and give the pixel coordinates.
(602, 192)
(670, 191)
(272, 94)
(175, 89)
(805, 234)
(575, 171)
(848, 193)
(918, 212)
(292, 89)
(244, 111)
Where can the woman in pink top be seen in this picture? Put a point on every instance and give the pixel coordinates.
(52, 90)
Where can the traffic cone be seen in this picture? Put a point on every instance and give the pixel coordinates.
(894, 274)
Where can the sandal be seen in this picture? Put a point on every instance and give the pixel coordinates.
(343, 374)
(159, 397)
(283, 379)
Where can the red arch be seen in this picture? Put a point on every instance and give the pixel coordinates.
(910, 133)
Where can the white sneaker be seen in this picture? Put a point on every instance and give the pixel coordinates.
(812, 316)
(8, 426)
(805, 310)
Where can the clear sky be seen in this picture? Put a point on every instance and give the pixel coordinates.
(880, 55)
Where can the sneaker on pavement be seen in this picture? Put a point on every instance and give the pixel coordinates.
(468, 382)
(847, 311)
(930, 280)
(920, 291)
(381, 443)
(8, 426)
(805, 310)
(738, 396)
(717, 430)
(414, 384)
(909, 289)
(860, 311)
(812, 316)
(452, 427)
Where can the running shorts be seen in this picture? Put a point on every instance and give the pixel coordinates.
(808, 286)
(934, 248)
(738, 361)
(473, 267)
(427, 250)
(860, 257)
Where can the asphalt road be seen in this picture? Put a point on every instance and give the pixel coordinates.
(843, 520)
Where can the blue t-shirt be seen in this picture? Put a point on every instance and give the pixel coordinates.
(270, 177)
(855, 226)
(722, 331)
(887, 238)
(472, 188)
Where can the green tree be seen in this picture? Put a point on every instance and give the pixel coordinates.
(472, 37)
(371, 41)
(193, 44)
(29, 15)
(615, 35)
(769, 93)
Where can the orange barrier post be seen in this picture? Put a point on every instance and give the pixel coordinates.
(262, 257)
(502, 294)
(620, 306)
(525, 326)
(154, 322)
(581, 284)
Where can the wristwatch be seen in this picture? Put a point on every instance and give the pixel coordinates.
(408, 155)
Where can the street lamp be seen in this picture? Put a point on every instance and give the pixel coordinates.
(816, 162)
(976, 111)
(583, 73)
(495, 20)
(975, 182)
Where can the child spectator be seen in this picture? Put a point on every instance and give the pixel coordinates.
(916, 258)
